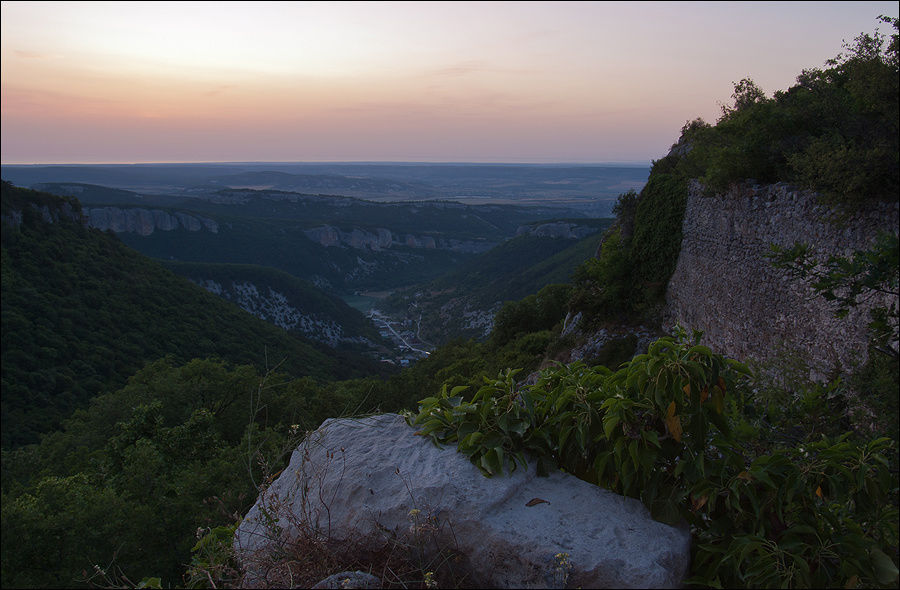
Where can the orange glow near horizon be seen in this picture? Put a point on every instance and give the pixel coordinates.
(516, 82)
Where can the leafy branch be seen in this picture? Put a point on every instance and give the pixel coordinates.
(852, 280)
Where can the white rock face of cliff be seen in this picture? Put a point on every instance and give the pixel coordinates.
(145, 221)
(557, 229)
(64, 211)
(384, 239)
(373, 478)
(274, 307)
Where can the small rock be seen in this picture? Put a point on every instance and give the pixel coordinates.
(355, 579)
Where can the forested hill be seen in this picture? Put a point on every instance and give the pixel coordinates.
(82, 312)
(463, 302)
(284, 300)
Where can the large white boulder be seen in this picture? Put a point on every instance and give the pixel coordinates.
(373, 478)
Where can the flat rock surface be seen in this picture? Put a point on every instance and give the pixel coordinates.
(373, 478)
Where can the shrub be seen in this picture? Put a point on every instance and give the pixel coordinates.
(668, 428)
(603, 284)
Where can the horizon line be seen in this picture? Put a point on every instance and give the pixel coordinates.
(370, 162)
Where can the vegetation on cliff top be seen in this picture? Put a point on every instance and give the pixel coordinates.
(836, 132)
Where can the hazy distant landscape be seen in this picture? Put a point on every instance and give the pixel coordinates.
(355, 229)
(588, 189)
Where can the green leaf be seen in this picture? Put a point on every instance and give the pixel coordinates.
(519, 426)
(800, 529)
(580, 438)
(652, 437)
(633, 451)
(492, 439)
(701, 350)
(465, 429)
(498, 452)
(762, 476)
(600, 466)
(648, 458)
(885, 569)
(471, 440)
(610, 421)
(491, 461)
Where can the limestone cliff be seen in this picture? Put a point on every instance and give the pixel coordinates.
(49, 214)
(725, 286)
(275, 307)
(557, 229)
(145, 221)
(383, 239)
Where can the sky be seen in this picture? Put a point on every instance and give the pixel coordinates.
(580, 82)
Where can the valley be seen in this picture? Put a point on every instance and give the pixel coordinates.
(440, 246)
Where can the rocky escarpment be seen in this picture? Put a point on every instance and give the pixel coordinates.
(373, 481)
(145, 221)
(557, 229)
(383, 239)
(272, 306)
(61, 211)
(724, 285)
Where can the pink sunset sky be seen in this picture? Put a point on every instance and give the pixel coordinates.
(476, 82)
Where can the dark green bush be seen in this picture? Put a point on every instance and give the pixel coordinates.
(669, 428)
(602, 285)
(534, 313)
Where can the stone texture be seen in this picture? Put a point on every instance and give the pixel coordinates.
(144, 221)
(364, 479)
(355, 579)
(593, 343)
(277, 308)
(724, 286)
(383, 239)
(557, 229)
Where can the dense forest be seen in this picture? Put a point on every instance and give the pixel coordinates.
(179, 424)
(82, 313)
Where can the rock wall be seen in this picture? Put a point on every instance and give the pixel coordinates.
(724, 286)
(557, 229)
(274, 307)
(145, 221)
(63, 211)
(383, 239)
